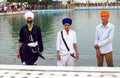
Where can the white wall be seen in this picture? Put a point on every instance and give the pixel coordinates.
(84, 1)
(94, 1)
(64, 1)
(81, 1)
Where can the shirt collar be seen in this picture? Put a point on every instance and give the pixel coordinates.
(105, 25)
(65, 30)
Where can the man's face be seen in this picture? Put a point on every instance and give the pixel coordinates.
(104, 18)
(67, 26)
(29, 20)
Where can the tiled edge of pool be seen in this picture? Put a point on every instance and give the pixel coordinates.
(25, 71)
(65, 10)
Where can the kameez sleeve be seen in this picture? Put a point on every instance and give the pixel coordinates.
(40, 43)
(21, 35)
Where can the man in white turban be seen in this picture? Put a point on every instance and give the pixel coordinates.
(30, 34)
(29, 17)
(29, 14)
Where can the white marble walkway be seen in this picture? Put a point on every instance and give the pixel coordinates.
(24, 71)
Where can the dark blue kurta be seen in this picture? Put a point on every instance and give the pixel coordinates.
(26, 54)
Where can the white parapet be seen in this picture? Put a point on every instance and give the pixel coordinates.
(25, 71)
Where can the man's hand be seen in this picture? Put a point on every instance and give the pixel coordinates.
(77, 56)
(98, 53)
(58, 55)
(41, 53)
(96, 47)
(18, 55)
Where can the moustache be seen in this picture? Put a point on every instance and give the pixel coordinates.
(29, 22)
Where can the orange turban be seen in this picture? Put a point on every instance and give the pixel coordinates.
(105, 12)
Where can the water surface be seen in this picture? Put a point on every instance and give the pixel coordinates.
(84, 23)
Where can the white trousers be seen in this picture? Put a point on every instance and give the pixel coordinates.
(66, 60)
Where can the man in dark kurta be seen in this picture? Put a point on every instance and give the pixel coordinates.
(29, 33)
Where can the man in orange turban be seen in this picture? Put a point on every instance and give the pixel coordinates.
(103, 40)
(105, 12)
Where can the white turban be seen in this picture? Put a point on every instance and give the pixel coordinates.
(29, 14)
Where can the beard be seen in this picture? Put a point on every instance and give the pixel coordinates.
(29, 22)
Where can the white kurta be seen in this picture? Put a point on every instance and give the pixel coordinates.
(104, 36)
(70, 40)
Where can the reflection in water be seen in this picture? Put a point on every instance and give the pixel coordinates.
(84, 23)
(5, 36)
(6, 40)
